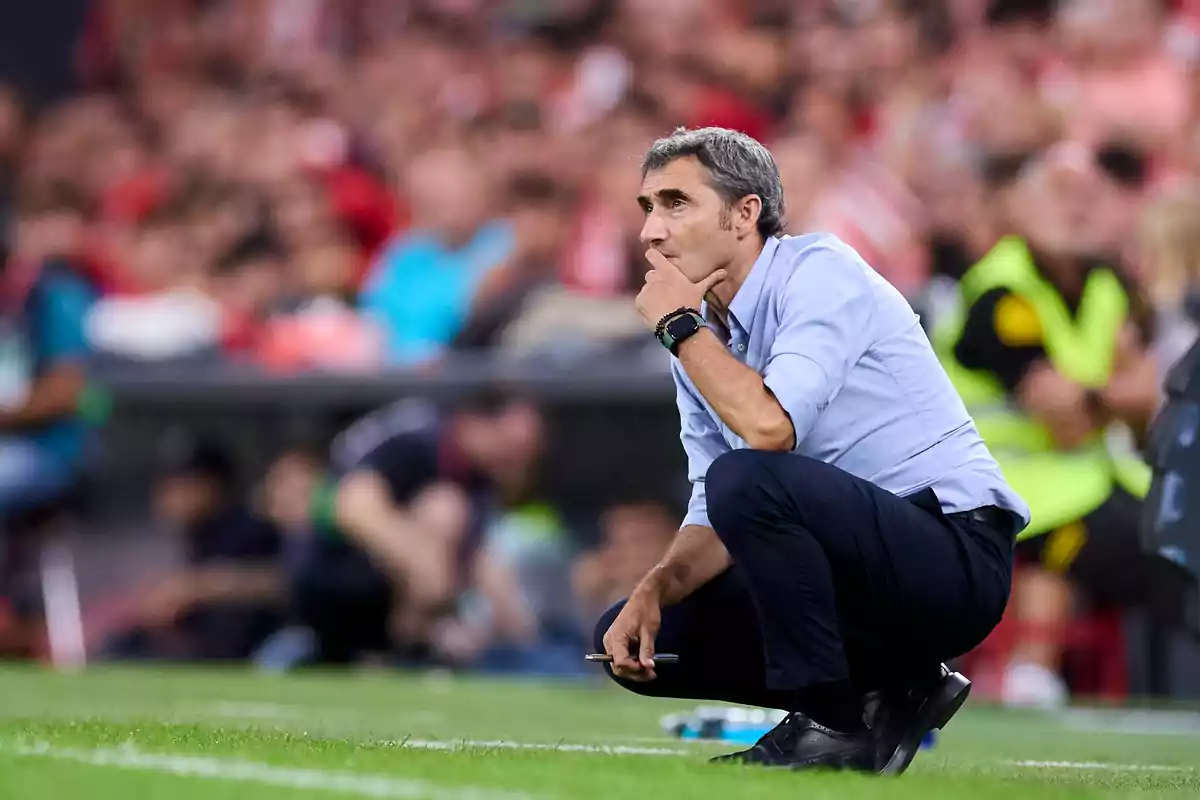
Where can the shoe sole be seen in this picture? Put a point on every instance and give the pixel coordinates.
(937, 710)
(839, 764)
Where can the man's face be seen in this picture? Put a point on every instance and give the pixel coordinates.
(686, 220)
(53, 233)
(450, 193)
(183, 500)
(540, 231)
(504, 445)
(1055, 207)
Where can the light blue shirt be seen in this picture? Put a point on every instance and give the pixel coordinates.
(846, 357)
(420, 290)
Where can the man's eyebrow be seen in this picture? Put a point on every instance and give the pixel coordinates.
(664, 196)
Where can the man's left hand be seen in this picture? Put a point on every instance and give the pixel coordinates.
(667, 289)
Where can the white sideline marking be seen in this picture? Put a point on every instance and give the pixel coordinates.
(503, 744)
(1098, 765)
(232, 769)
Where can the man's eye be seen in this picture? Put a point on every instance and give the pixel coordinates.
(677, 203)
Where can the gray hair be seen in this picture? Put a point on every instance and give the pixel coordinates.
(737, 164)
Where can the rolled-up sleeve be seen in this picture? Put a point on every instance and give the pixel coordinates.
(702, 442)
(825, 326)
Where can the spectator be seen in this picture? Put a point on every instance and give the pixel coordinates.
(317, 325)
(1085, 499)
(422, 286)
(397, 534)
(540, 211)
(289, 489)
(634, 537)
(1117, 78)
(43, 301)
(516, 615)
(1169, 240)
(11, 129)
(247, 282)
(161, 309)
(228, 596)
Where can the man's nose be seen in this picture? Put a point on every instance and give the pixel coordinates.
(654, 232)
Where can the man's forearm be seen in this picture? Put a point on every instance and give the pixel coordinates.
(55, 395)
(737, 393)
(367, 516)
(695, 557)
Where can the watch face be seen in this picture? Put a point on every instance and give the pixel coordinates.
(682, 326)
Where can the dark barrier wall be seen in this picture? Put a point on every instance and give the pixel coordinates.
(612, 429)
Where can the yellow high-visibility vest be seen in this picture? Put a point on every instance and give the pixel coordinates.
(1059, 486)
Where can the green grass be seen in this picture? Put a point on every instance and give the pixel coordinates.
(174, 733)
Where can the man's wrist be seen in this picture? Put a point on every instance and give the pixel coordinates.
(665, 318)
(677, 326)
(654, 586)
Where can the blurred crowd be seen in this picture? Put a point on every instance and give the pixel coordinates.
(353, 184)
(345, 183)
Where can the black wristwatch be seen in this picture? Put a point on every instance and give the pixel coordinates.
(677, 327)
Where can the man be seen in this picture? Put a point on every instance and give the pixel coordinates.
(43, 302)
(540, 212)
(848, 530)
(229, 596)
(1049, 352)
(399, 524)
(419, 289)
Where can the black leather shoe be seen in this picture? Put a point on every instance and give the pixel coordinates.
(900, 721)
(799, 743)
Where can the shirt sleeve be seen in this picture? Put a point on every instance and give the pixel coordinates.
(1002, 336)
(702, 442)
(825, 325)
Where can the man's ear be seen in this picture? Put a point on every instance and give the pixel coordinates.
(745, 215)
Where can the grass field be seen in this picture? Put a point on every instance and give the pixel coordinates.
(166, 733)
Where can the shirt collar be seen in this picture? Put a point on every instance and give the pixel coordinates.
(746, 302)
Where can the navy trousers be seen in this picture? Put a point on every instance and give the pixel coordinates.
(833, 579)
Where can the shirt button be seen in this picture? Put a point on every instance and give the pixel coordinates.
(741, 348)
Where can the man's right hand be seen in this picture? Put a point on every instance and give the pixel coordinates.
(630, 639)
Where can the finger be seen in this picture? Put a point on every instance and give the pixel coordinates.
(712, 280)
(659, 261)
(646, 649)
(623, 658)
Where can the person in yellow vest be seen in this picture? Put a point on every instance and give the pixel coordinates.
(1048, 350)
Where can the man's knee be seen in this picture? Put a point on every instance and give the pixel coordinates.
(741, 488)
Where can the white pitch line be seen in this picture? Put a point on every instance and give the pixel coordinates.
(238, 770)
(1098, 765)
(503, 744)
